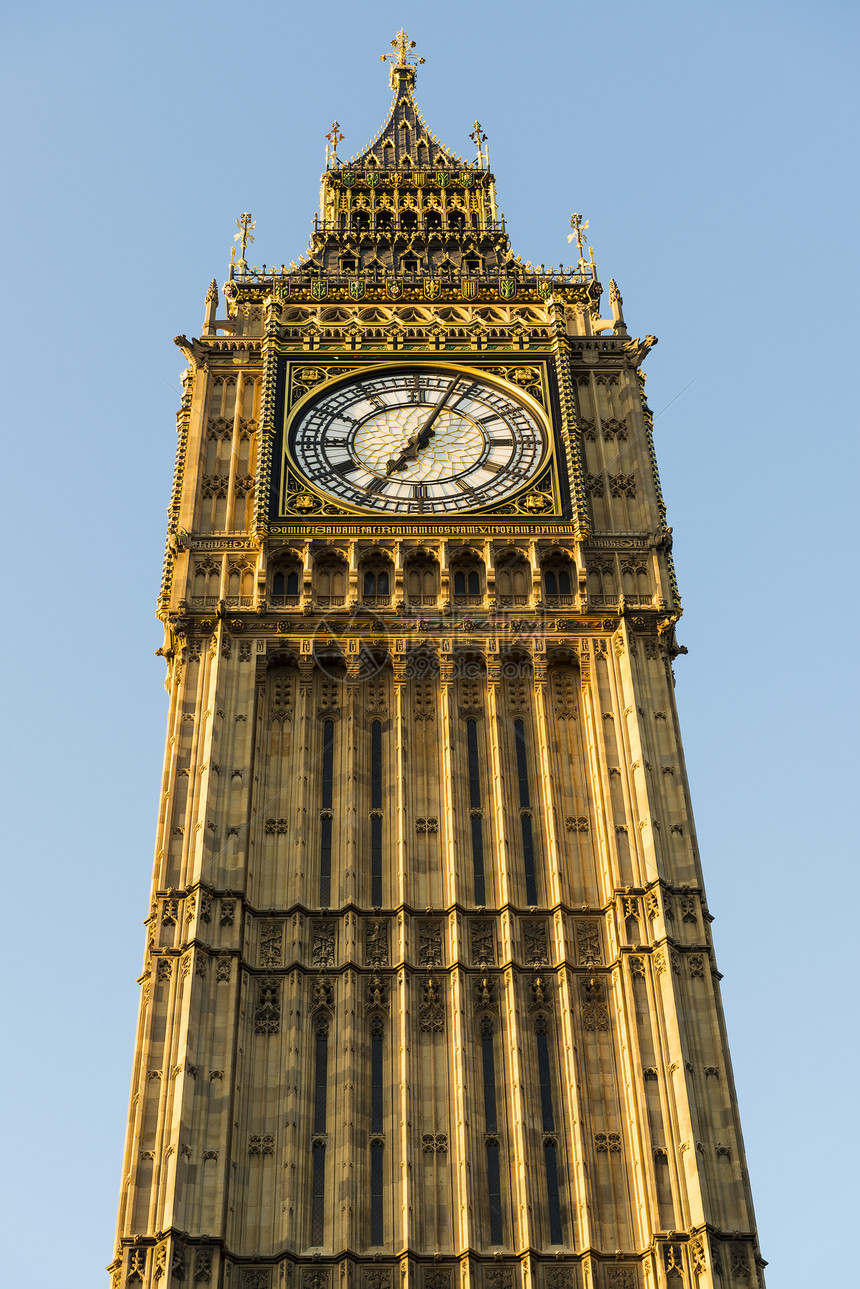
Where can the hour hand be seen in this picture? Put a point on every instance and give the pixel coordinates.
(410, 449)
(422, 436)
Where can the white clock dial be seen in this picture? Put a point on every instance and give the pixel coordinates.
(423, 440)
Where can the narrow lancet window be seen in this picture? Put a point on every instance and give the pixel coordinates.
(525, 813)
(550, 1144)
(491, 1134)
(376, 814)
(326, 813)
(476, 812)
(319, 1137)
(376, 1137)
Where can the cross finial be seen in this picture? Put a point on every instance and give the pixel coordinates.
(404, 56)
(334, 137)
(244, 224)
(579, 225)
(478, 135)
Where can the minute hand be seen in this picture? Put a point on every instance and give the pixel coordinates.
(421, 437)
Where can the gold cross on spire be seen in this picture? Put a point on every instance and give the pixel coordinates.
(579, 225)
(244, 224)
(334, 137)
(403, 45)
(478, 135)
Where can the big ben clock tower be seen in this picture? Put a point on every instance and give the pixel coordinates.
(429, 997)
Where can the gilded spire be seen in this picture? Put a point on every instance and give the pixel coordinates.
(244, 236)
(403, 61)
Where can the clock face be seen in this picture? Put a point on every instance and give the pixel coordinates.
(418, 441)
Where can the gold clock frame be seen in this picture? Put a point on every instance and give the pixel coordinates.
(537, 499)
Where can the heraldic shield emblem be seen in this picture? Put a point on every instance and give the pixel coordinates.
(348, 178)
(393, 288)
(431, 288)
(357, 289)
(470, 288)
(544, 287)
(467, 178)
(507, 287)
(319, 288)
(372, 178)
(443, 178)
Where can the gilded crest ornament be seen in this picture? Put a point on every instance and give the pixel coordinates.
(393, 288)
(282, 290)
(443, 178)
(356, 289)
(431, 288)
(467, 178)
(304, 503)
(544, 287)
(371, 179)
(348, 178)
(507, 287)
(469, 288)
(319, 289)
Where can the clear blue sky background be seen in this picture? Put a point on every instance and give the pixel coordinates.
(713, 148)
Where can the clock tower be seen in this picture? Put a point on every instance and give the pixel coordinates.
(429, 997)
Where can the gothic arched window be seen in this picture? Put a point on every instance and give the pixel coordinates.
(376, 580)
(286, 582)
(421, 581)
(331, 581)
(558, 580)
(467, 582)
(513, 581)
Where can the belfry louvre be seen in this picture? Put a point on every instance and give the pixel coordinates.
(429, 998)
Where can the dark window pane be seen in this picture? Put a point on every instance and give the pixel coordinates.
(489, 1082)
(278, 584)
(494, 1189)
(292, 584)
(564, 583)
(552, 1195)
(376, 1194)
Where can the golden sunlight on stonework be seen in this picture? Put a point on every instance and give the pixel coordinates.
(429, 998)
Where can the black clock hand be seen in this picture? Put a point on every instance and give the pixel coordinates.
(422, 436)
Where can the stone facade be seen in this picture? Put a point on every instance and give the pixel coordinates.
(429, 995)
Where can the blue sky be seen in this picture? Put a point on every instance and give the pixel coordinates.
(713, 149)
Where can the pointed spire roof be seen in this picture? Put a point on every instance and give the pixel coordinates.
(405, 141)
